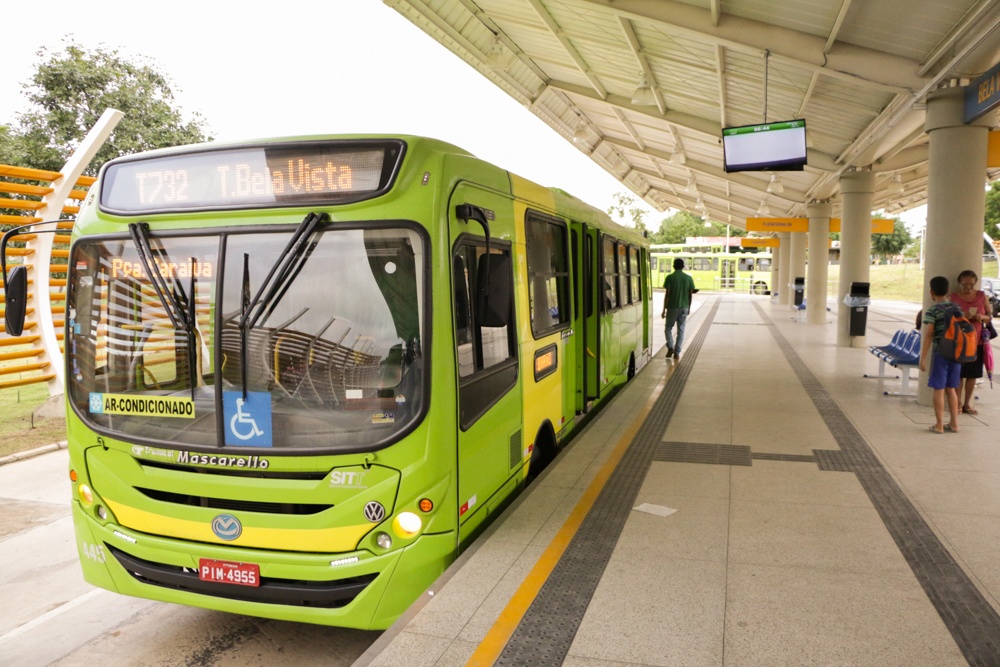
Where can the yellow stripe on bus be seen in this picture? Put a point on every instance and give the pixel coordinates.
(330, 540)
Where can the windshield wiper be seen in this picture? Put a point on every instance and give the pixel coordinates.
(286, 267)
(182, 319)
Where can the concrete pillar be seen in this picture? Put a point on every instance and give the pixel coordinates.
(819, 262)
(856, 188)
(797, 256)
(955, 198)
(784, 269)
(775, 271)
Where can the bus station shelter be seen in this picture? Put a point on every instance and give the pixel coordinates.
(897, 97)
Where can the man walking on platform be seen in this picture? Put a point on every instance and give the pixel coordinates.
(679, 287)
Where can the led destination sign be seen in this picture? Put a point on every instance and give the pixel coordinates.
(258, 176)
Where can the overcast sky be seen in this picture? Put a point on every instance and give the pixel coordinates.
(255, 69)
(321, 67)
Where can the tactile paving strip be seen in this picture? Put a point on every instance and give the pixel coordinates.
(970, 618)
(693, 452)
(546, 631)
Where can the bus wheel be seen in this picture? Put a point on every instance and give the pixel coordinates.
(631, 366)
(542, 453)
(759, 288)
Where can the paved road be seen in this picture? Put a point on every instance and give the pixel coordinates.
(50, 616)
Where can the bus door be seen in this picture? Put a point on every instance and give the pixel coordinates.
(593, 292)
(490, 446)
(728, 273)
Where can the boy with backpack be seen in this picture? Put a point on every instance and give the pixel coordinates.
(945, 373)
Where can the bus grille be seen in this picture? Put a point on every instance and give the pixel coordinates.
(300, 593)
(234, 505)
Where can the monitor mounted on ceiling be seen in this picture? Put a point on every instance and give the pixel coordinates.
(777, 146)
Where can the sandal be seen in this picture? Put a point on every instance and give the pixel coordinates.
(949, 428)
(969, 411)
(934, 430)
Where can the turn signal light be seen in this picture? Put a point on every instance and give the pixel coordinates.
(426, 505)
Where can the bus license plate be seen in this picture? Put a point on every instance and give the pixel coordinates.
(228, 572)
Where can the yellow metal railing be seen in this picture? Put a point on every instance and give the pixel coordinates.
(23, 359)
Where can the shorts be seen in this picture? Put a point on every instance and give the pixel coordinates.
(944, 373)
(974, 369)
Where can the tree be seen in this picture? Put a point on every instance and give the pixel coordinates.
(890, 245)
(991, 224)
(682, 224)
(626, 206)
(68, 93)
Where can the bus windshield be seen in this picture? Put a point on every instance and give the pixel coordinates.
(332, 362)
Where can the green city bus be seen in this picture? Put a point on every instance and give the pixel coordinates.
(712, 269)
(303, 374)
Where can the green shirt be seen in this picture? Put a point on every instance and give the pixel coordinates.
(936, 315)
(679, 286)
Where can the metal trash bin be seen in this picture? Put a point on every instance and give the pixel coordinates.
(800, 290)
(857, 300)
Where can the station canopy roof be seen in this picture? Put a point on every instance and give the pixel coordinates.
(645, 87)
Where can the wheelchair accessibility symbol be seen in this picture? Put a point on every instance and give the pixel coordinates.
(248, 421)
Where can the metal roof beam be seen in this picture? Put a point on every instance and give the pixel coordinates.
(861, 65)
(559, 34)
(647, 71)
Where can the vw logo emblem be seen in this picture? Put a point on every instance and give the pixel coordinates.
(374, 511)
(226, 527)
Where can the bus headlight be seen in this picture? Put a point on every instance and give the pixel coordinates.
(383, 540)
(406, 524)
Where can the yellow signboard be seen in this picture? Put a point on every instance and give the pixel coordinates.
(777, 224)
(993, 149)
(760, 243)
(879, 225)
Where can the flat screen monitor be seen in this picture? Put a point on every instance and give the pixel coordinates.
(777, 146)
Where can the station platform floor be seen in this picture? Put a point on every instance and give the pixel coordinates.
(759, 502)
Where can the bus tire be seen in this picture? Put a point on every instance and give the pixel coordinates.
(759, 288)
(543, 452)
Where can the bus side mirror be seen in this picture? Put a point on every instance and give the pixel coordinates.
(16, 299)
(495, 304)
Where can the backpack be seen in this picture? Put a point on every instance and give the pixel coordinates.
(959, 341)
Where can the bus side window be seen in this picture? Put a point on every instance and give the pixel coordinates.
(548, 272)
(479, 347)
(609, 277)
(635, 294)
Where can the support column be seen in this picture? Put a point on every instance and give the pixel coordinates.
(797, 257)
(955, 199)
(784, 269)
(819, 260)
(775, 272)
(856, 188)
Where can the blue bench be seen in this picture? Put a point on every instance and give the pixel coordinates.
(902, 353)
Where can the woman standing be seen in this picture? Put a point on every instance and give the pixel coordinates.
(976, 308)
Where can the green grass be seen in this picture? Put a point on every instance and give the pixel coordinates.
(895, 282)
(19, 431)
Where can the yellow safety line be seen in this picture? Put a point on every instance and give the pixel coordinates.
(496, 639)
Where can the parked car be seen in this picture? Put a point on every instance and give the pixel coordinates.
(991, 286)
